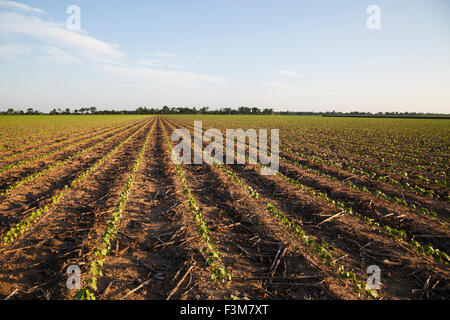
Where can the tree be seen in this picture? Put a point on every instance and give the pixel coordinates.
(244, 110)
(165, 110)
(93, 110)
(255, 110)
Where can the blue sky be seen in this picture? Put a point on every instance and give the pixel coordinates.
(298, 55)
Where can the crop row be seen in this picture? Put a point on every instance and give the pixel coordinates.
(47, 144)
(395, 234)
(100, 253)
(388, 179)
(416, 189)
(218, 271)
(24, 132)
(405, 148)
(34, 216)
(322, 158)
(59, 163)
(377, 194)
(318, 249)
(329, 140)
(354, 159)
(46, 154)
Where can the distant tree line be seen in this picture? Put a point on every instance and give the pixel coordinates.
(224, 111)
(145, 110)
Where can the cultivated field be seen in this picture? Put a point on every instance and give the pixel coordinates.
(102, 193)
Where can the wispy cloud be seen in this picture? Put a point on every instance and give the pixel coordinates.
(147, 76)
(19, 6)
(13, 50)
(52, 41)
(291, 73)
(58, 55)
(56, 35)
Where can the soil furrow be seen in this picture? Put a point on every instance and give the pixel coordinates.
(367, 205)
(16, 205)
(362, 244)
(59, 240)
(150, 244)
(249, 240)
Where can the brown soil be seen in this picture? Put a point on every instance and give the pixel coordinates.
(158, 247)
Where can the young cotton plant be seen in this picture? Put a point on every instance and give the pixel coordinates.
(26, 223)
(395, 234)
(318, 249)
(59, 163)
(100, 253)
(214, 260)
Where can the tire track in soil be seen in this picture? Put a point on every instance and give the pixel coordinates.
(404, 268)
(143, 249)
(61, 238)
(249, 240)
(14, 206)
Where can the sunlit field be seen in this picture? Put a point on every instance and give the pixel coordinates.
(102, 193)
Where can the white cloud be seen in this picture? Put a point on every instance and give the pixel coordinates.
(291, 73)
(56, 35)
(58, 55)
(19, 6)
(12, 50)
(148, 75)
(52, 41)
